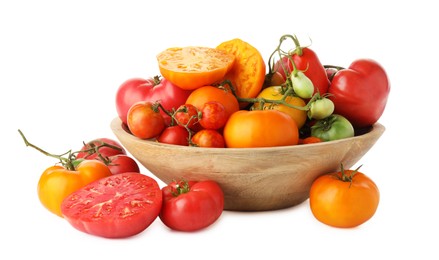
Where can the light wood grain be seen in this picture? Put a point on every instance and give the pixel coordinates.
(252, 179)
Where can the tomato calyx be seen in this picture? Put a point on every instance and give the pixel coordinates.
(180, 187)
(345, 177)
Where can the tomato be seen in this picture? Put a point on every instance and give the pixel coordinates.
(344, 199)
(122, 163)
(191, 206)
(273, 79)
(260, 128)
(88, 150)
(248, 72)
(306, 60)
(118, 206)
(205, 94)
(176, 134)
(152, 89)
(213, 115)
(144, 120)
(360, 92)
(193, 67)
(310, 140)
(57, 182)
(275, 93)
(187, 115)
(208, 138)
(320, 108)
(333, 127)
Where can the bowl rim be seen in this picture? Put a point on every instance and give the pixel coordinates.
(116, 125)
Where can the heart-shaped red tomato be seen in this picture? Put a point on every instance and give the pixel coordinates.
(360, 92)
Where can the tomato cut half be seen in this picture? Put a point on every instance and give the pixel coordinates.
(118, 206)
(248, 72)
(193, 67)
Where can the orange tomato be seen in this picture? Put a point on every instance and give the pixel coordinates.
(260, 128)
(274, 93)
(205, 94)
(344, 199)
(248, 72)
(310, 140)
(57, 182)
(193, 67)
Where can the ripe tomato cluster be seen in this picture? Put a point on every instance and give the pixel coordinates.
(225, 97)
(99, 190)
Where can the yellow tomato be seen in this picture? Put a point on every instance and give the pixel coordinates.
(275, 93)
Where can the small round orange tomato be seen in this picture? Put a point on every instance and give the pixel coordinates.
(193, 67)
(206, 94)
(57, 182)
(344, 199)
(144, 120)
(274, 93)
(248, 72)
(260, 128)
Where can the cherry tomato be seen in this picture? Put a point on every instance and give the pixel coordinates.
(57, 182)
(213, 115)
(208, 138)
(144, 120)
(205, 94)
(118, 206)
(193, 67)
(260, 128)
(333, 127)
(248, 72)
(310, 140)
(122, 163)
(302, 85)
(187, 115)
(176, 134)
(87, 151)
(344, 199)
(320, 108)
(191, 206)
(151, 89)
(360, 92)
(275, 93)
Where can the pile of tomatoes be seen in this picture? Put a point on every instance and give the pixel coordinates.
(226, 97)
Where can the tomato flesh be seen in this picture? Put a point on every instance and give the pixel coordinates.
(118, 206)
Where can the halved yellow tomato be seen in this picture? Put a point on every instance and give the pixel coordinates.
(275, 93)
(194, 66)
(248, 72)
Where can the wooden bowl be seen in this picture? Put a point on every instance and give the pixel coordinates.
(253, 179)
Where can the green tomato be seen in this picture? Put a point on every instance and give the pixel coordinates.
(321, 108)
(333, 127)
(302, 85)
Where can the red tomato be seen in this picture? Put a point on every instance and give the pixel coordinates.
(122, 163)
(360, 92)
(306, 60)
(151, 89)
(176, 134)
(347, 198)
(213, 115)
(260, 128)
(208, 138)
(187, 115)
(88, 152)
(117, 206)
(144, 121)
(190, 206)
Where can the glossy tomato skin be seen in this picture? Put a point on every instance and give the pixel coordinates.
(260, 128)
(57, 182)
(122, 163)
(176, 134)
(197, 208)
(205, 94)
(88, 153)
(150, 89)
(144, 121)
(208, 138)
(310, 64)
(332, 128)
(344, 204)
(360, 92)
(213, 115)
(118, 206)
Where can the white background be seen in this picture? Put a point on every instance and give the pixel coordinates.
(62, 62)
